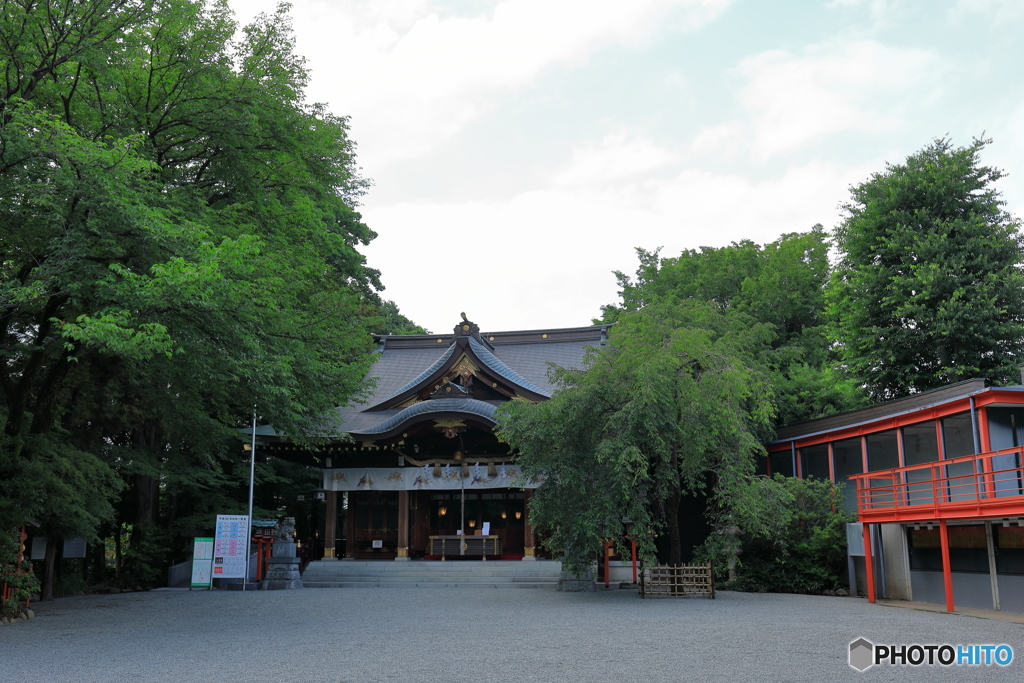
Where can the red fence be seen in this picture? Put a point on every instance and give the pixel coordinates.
(969, 487)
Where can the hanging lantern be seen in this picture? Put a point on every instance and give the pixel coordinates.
(519, 515)
(504, 515)
(442, 511)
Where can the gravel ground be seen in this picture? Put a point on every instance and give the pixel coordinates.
(438, 634)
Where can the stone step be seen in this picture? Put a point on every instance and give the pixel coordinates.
(433, 572)
(437, 574)
(461, 564)
(425, 584)
(435, 580)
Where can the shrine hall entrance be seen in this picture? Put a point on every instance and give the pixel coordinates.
(375, 534)
(375, 527)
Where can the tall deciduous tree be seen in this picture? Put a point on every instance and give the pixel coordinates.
(928, 289)
(780, 284)
(676, 396)
(178, 241)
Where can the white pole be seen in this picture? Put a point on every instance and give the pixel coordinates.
(252, 477)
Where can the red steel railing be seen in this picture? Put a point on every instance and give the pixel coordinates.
(972, 486)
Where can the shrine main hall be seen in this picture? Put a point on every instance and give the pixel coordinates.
(422, 462)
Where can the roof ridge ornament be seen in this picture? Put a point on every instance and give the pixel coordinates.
(467, 328)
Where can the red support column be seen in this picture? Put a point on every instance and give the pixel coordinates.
(947, 575)
(869, 563)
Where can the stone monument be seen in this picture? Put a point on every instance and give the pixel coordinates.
(283, 564)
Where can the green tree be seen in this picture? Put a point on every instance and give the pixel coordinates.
(928, 288)
(676, 396)
(780, 284)
(178, 241)
(788, 535)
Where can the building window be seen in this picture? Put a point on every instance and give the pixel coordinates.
(920, 443)
(957, 436)
(814, 462)
(968, 549)
(883, 451)
(1006, 430)
(782, 463)
(848, 458)
(848, 461)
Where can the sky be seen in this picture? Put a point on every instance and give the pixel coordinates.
(521, 150)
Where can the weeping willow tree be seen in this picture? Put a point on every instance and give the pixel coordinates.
(674, 404)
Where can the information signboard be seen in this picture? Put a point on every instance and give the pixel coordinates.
(230, 546)
(202, 562)
(74, 547)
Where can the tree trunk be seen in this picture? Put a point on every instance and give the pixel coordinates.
(147, 490)
(51, 561)
(672, 501)
(100, 561)
(117, 551)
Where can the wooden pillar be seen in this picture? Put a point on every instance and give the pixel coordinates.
(869, 563)
(947, 574)
(330, 524)
(350, 526)
(529, 542)
(403, 525)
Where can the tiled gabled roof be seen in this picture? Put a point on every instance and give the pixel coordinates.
(423, 376)
(502, 370)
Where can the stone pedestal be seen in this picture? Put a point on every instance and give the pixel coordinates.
(576, 584)
(282, 568)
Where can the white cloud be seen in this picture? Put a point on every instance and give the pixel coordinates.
(791, 100)
(1001, 12)
(617, 157)
(412, 77)
(556, 248)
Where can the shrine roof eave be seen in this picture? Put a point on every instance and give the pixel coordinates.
(434, 409)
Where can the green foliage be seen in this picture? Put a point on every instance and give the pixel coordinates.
(789, 535)
(181, 242)
(780, 285)
(674, 396)
(19, 578)
(928, 289)
(144, 563)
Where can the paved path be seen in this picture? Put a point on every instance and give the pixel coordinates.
(426, 634)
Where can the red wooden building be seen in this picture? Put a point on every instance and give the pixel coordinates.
(938, 478)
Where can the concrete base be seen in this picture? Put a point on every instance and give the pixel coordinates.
(401, 559)
(529, 559)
